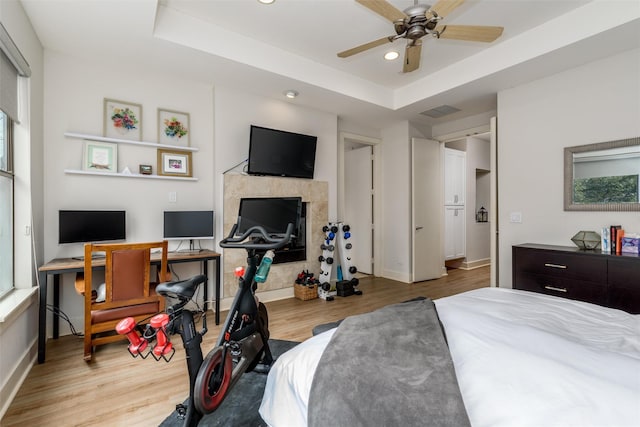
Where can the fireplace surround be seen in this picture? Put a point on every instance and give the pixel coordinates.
(314, 195)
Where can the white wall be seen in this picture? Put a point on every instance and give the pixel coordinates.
(236, 111)
(593, 103)
(19, 330)
(396, 232)
(477, 241)
(74, 93)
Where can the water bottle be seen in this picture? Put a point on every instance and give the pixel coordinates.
(263, 269)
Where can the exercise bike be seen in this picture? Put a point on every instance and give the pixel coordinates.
(243, 340)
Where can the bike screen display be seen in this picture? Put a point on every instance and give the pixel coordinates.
(271, 213)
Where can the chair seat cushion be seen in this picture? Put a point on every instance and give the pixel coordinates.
(99, 316)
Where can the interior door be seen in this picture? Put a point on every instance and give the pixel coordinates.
(426, 192)
(358, 213)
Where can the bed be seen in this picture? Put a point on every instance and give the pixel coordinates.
(520, 359)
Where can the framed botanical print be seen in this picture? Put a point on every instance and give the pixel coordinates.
(122, 120)
(173, 128)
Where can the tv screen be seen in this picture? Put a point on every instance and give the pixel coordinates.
(183, 225)
(91, 226)
(272, 213)
(280, 153)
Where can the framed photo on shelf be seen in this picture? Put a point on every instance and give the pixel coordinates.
(173, 128)
(100, 156)
(174, 163)
(122, 120)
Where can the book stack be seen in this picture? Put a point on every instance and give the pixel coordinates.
(612, 239)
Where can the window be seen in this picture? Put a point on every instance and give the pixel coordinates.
(6, 205)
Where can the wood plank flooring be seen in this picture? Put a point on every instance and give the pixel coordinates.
(117, 390)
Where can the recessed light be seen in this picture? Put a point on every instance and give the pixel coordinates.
(266, 1)
(291, 94)
(390, 56)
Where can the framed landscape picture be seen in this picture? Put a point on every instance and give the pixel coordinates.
(100, 156)
(122, 120)
(173, 128)
(174, 163)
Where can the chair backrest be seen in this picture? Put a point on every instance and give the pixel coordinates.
(127, 272)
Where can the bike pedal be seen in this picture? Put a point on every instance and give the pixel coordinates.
(181, 410)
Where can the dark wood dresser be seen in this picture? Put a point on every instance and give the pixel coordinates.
(568, 272)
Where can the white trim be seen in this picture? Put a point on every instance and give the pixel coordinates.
(15, 303)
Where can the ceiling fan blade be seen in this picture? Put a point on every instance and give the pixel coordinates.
(364, 47)
(475, 33)
(445, 7)
(384, 9)
(412, 57)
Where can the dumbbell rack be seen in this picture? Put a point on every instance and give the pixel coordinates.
(337, 237)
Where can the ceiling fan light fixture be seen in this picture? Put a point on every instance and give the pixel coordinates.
(291, 93)
(391, 55)
(266, 1)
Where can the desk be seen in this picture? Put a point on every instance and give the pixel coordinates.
(59, 266)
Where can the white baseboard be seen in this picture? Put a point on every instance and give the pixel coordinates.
(12, 384)
(468, 265)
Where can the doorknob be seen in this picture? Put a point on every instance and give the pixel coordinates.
(419, 228)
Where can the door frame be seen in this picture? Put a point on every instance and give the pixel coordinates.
(344, 137)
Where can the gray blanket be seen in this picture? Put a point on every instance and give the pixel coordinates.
(390, 367)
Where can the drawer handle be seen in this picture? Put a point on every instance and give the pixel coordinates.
(555, 265)
(553, 288)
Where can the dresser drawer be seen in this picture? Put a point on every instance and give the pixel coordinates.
(624, 284)
(581, 290)
(566, 265)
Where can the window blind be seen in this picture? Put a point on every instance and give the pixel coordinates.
(12, 64)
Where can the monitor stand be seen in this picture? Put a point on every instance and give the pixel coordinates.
(192, 249)
(95, 255)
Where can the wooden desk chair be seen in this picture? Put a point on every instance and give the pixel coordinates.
(129, 291)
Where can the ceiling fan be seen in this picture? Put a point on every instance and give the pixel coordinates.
(418, 21)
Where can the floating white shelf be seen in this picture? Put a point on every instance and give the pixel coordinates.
(126, 141)
(128, 175)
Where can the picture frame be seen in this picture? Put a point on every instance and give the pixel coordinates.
(100, 157)
(174, 163)
(122, 120)
(146, 169)
(173, 128)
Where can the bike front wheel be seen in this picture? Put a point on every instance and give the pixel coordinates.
(212, 381)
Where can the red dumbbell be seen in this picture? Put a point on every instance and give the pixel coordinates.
(163, 345)
(137, 344)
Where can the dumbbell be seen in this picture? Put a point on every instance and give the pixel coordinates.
(137, 344)
(346, 228)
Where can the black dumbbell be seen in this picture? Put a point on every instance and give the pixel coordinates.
(353, 269)
(346, 228)
(348, 246)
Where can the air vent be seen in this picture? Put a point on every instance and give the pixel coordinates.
(440, 111)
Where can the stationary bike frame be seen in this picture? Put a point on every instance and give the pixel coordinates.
(243, 338)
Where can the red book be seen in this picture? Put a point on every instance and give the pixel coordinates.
(619, 236)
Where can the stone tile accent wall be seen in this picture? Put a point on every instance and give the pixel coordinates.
(314, 193)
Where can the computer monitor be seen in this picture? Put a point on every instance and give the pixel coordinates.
(188, 225)
(85, 226)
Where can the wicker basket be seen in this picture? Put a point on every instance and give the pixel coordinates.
(305, 293)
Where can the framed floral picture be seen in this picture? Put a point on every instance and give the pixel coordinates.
(122, 120)
(173, 128)
(174, 163)
(100, 156)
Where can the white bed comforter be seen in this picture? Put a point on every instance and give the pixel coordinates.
(522, 359)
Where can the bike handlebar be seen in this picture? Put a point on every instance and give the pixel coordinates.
(267, 242)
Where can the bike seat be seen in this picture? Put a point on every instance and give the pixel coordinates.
(182, 289)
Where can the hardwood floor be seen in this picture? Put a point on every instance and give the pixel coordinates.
(117, 390)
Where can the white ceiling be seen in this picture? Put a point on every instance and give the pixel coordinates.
(292, 44)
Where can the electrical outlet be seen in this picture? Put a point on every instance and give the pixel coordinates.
(173, 197)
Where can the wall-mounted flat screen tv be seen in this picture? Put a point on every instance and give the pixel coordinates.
(280, 153)
(85, 226)
(272, 213)
(188, 225)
